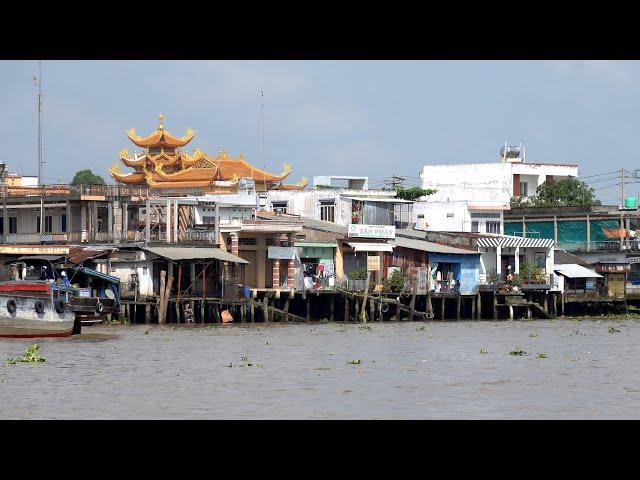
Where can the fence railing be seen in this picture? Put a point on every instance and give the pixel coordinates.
(112, 191)
(187, 236)
(601, 246)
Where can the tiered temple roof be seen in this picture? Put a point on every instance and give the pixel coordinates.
(164, 165)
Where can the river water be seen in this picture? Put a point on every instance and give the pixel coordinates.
(302, 371)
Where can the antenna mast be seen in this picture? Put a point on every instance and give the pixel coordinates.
(264, 164)
(39, 85)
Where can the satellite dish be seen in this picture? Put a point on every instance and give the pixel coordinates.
(109, 293)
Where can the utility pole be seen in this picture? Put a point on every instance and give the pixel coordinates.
(622, 185)
(38, 83)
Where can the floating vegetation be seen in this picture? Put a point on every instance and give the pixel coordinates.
(342, 330)
(266, 343)
(354, 362)
(146, 332)
(541, 355)
(534, 335)
(245, 362)
(365, 327)
(517, 352)
(30, 356)
(420, 329)
(483, 351)
(613, 330)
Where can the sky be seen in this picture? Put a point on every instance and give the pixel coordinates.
(367, 118)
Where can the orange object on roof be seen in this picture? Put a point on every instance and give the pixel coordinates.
(615, 232)
(163, 165)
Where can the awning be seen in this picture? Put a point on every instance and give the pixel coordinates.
(194, 253)
(507, 241)
(100, 275)
(316, 244)
(573, 270)
(371, 247)
(48, 258)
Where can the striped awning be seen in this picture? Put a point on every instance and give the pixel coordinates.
(509, 241)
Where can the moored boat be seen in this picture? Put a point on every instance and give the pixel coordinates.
(31, 308)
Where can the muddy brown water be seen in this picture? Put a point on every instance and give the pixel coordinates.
(406, 371)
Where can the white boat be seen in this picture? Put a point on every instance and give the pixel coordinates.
(31, 308)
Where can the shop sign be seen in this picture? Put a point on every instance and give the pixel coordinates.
(282, 253)
(371, 231)
(373, 263)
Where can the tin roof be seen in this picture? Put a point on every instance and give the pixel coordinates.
(194, 253)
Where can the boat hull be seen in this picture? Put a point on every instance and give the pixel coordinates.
(28, 309)
(26, 328)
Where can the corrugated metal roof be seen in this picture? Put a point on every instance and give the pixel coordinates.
(323, 226)
(573, 270)
(378, 199)
(506, 241)
(426, 246)
(194, 253)
(319, 244)
(103, 276)
(371, 247)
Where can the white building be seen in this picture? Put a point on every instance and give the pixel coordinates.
(495, 182)
(344, 206)
(459, 216)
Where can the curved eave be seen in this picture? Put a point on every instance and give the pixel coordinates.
(130, 162)
(129, 178)
(229, 168)
(160, 137)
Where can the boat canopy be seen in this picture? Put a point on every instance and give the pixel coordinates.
(103, 276)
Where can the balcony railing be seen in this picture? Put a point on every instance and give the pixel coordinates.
(130, 236)
(111, 191)
(601, 246)
(524, 282)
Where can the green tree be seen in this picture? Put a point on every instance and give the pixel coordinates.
(569, 192)
(413, 193)
(87, 177)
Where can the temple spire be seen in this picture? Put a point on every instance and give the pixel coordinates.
(160, 126)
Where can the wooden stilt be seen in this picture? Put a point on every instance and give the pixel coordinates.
(412, 303)
(510, 312)
(308, 306)
(473, 307)
(356, 307)
(286, 308)
(346, 310)
(372, 310)
(398, 310)
(202, 310)
(252, 310)
(161, 311)
(147, 313)
(331, 307)
(265, 308)
(177, 305)
(429, 305)
(442, 308)
(363, 314)
(562, 303)
(479, 306)
(495, 306)
(458, 305)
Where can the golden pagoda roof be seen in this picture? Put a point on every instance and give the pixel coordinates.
(160, 137)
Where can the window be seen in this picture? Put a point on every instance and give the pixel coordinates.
(493, 227)
(524, 190)
(474, 227)
(485, 215)
(13, 224)
(63, 223)
(449, 215)
(280, 207)
(327, 210)
(48, 224)
(1, 226)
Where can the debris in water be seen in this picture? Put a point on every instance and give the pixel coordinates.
(517, 352)
(541, 355)
(483, 351)
(29, 356)
(354, 362)
(534, 335)
(613, 330)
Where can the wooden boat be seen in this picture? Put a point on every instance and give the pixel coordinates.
(31, 308)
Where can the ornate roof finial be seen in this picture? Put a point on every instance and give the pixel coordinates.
(160, 117)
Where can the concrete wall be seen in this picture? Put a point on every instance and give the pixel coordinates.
(452, 216)
(487, 181)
